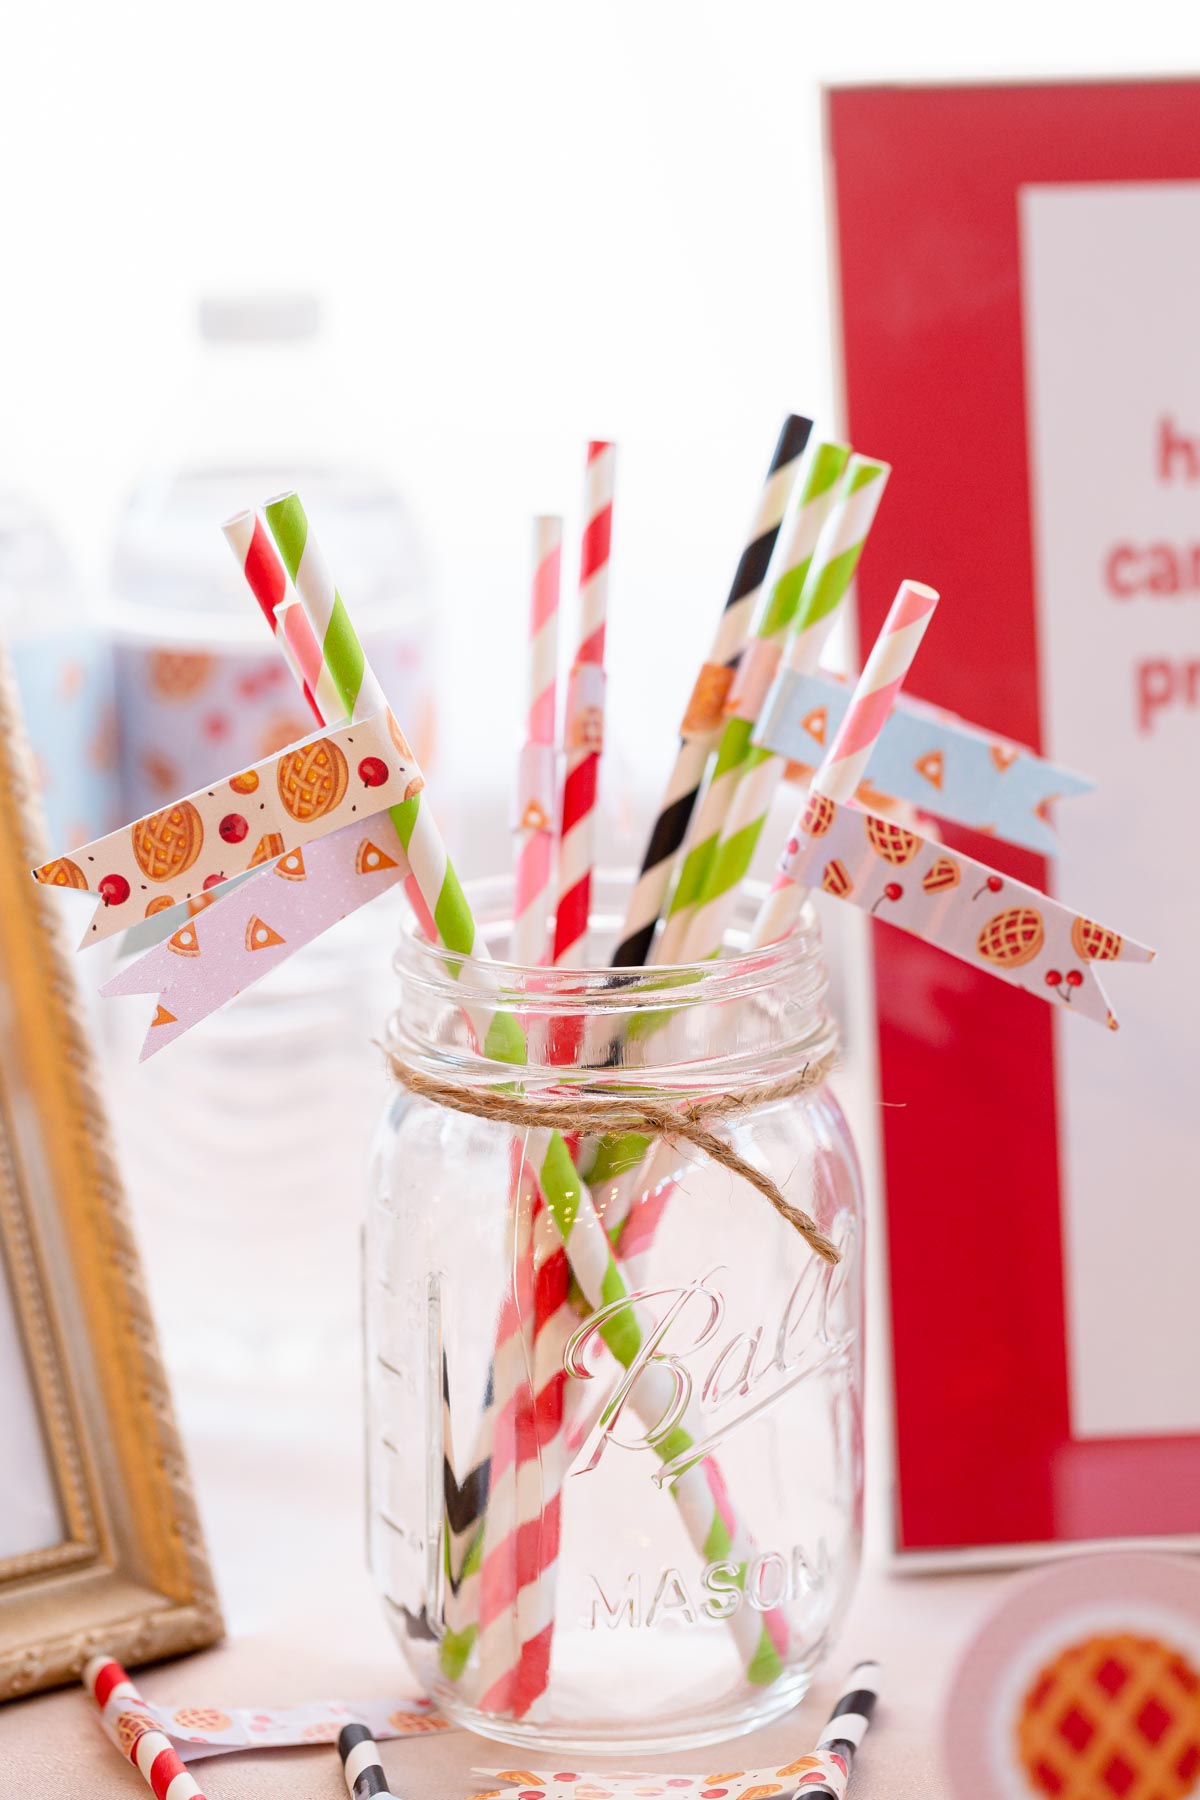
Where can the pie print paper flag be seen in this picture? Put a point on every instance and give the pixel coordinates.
(199, 1731)
(986, 919)
(821, 1772)
(186, 849)
(932, 758)
(230, 943)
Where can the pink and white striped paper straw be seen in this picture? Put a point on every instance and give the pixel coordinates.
(267, 580)
(534, 820)
(845, 762)
(584, 724)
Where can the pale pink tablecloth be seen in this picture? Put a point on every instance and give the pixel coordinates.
(304, 1624)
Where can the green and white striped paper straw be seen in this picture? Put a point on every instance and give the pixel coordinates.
(826, 584)
(361, 695)
(715, 1533)
(794, 557)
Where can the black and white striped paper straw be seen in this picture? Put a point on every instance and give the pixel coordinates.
(670, 828)
(361, 1765)
(847, 1726)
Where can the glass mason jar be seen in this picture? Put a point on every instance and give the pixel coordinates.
(614, 1487)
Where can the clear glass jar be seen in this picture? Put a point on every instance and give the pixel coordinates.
(635, 1528)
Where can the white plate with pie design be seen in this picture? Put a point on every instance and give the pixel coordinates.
(1083, 1685)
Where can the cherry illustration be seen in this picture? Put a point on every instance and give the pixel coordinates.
(992, 885)
(113, 890)
(1053, 978)
(893, 892)
(233, 828)
(1074, 978)
(373, 771)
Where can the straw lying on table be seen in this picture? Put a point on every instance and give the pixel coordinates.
(843, 1735)
(366, 1778)
(135, 1734)
(822, 1773)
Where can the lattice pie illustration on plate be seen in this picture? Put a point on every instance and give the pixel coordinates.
(1113, 1715)
(1083, 1685)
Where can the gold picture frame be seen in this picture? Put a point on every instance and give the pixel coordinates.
(128, 1571)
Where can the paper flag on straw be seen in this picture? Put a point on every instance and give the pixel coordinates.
(821, 1769)
(190, 847)
(199, 1731)
(249, 931)
(964, 907)
(940, 762)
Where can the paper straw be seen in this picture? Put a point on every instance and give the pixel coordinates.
(554, 1321)
(845, 761)
(789, 568)
(807, 596)
(463, 1504)
(547, 1154)
(715, 1532)
(846, 1729)
(268, 582)
(702, 720)
(584, 723)
(348, 678)
(361, 1765)
(150, 1750)
(517, 1516)
(826, 584)
(453, 926)
(534, 822)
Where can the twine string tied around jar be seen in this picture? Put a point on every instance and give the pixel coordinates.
(594, 1114)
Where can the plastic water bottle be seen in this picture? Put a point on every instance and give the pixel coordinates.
(64, 677)
(245, 1142)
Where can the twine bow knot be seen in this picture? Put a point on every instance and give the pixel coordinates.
(596, 1114)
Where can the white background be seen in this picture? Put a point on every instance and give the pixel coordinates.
(528, 223)
(1111, 275)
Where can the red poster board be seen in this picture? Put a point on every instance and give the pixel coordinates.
(925, 188)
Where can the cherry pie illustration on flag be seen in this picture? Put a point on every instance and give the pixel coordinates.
(1083, 1685)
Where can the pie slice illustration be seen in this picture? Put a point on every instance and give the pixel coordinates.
(816, 723)
(260, 935)
(369, 859)
(932, 768)
(291, 867)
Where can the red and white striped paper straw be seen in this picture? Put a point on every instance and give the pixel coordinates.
(584, 723)
(267, 580)
(150, 1750)
(845, 762)
(534, 821)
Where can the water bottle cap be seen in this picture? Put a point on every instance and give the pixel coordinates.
(259, 319)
